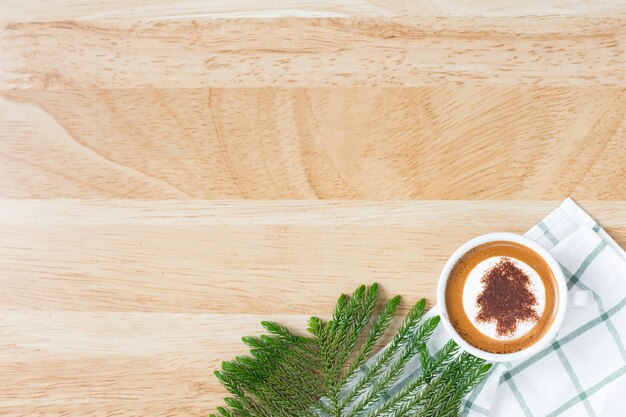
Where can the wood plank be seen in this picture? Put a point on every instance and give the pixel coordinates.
(97, 364)
(140, 364)
(254, 258)
(125, 307)
(41, 11)
(329, 143)
(413, 214)
(314, 52)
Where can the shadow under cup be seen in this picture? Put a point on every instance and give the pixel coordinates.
(455, 285)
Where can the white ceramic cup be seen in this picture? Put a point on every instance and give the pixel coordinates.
(564, 297)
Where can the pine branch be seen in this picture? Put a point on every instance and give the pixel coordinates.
(351, 318)
(399, 341)
(394, 371)
(440, 360)
(441, 396)
(309, 376)
(364, 316)
(348, 324)
(429, 365)
(376, 332)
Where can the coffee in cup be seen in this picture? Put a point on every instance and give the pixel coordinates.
(501, 297)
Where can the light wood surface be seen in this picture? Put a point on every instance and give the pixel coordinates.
(331, 143)
(172, 173)
(34, 10)
(314, 52)
(113, 307)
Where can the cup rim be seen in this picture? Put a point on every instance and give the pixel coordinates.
(540, 344)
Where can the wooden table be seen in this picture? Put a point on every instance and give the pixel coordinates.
(172, 174)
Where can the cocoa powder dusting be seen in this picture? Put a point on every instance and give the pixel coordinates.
(506, 298)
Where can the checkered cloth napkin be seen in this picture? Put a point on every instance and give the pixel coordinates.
(583, 372)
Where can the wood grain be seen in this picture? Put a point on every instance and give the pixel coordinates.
(124, 307)
(32, 10)
(172, 173)
(274, 257)
(330, 143)
(95, 364)
(314, 52)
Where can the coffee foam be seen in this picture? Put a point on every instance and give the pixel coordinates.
(473, 287)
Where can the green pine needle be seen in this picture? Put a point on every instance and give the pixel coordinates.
(331, 372)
